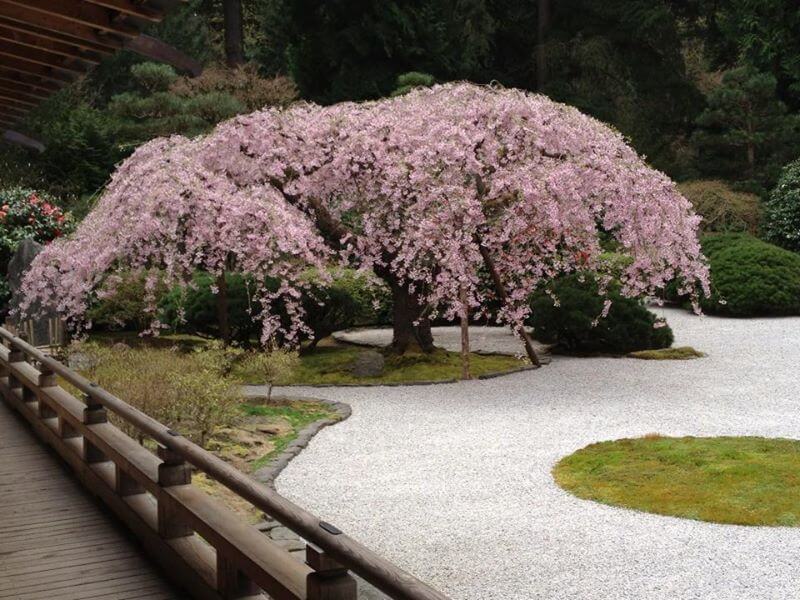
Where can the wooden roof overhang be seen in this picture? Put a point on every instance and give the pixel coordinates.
(47, 44)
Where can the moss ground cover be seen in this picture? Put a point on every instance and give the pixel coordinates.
(329, 362)
(679, 353)
(331, 365)
(737, 480)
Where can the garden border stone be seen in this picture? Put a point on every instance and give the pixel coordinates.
(268, 473)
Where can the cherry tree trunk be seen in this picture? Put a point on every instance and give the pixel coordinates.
(465, 374)
(411, 330)
(222, 310)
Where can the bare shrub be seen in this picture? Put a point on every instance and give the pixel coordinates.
(243, 83)
(185, 391)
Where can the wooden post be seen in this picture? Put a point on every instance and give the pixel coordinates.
(465, 374)
(93, 413)
(124, 484)
(172, 471)
(15, 355)
(330, 580)
(46, 378)
(231, 582)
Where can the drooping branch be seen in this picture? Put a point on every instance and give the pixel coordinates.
(503, 295)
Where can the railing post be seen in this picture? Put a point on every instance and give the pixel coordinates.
(46, 378)
(172, 471)
(124, 484)
(93, 413)
(15, 355)
(231, 582)
(330, 580)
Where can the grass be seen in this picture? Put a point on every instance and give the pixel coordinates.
(679, 353)
(331, 365)
(736, 480)
(297, 414)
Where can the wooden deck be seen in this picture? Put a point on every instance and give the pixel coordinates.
(56, 542)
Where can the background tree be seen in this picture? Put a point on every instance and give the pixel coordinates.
(746, 131)
(154, 110)
(234, 32)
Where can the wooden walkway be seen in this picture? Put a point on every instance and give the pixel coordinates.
(55, 542)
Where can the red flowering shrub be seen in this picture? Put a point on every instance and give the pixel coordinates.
(25, 214)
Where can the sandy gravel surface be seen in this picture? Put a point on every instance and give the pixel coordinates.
(453, 481)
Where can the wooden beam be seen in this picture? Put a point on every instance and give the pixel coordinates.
(8, 111)
(21, 90)
(40, 57)
(30, 40)
(129, 8)
(78, 12)
(24, 66)
(55, 36)
(34, 85)
(161, 51)
(20, 139)
(15, 99)
(59, 25)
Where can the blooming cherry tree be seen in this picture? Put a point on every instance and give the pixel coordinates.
(436, 186)
(437, 192)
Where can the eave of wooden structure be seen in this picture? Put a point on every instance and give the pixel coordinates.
(47, 44)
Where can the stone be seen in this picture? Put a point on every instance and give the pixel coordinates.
(368, 363)
(120, 347)
(81, 361)
(39, 333)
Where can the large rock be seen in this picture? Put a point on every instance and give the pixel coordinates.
(368, 363)
(40, 333)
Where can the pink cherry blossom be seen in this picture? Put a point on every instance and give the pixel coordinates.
(415, 184)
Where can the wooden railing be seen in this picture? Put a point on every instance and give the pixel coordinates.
(207, 548)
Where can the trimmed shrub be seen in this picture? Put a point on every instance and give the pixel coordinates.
(750, 277)
(722, 208)
(574, 321)
(121, 304)
(349, 300)
(782, 215)
(198, 304)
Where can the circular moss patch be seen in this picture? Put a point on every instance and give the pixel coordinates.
(740, 480)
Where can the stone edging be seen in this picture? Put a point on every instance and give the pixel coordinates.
(268, 473)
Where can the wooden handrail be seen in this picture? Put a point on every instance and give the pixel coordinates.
(238, 550)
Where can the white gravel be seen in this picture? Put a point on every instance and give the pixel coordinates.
(498, 340)
(452, 482)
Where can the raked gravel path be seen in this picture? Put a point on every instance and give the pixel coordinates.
(453, 482)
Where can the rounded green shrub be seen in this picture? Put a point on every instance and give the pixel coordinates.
(782, 218)
(345, 301)
(123, 306)
(750, 277)
(574, 324)
(198, 306)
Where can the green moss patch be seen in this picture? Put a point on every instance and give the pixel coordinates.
(330, 365)
(737, 480)
(679, 353)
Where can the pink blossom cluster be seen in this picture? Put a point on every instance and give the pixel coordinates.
(421, 182)
(165, 214)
